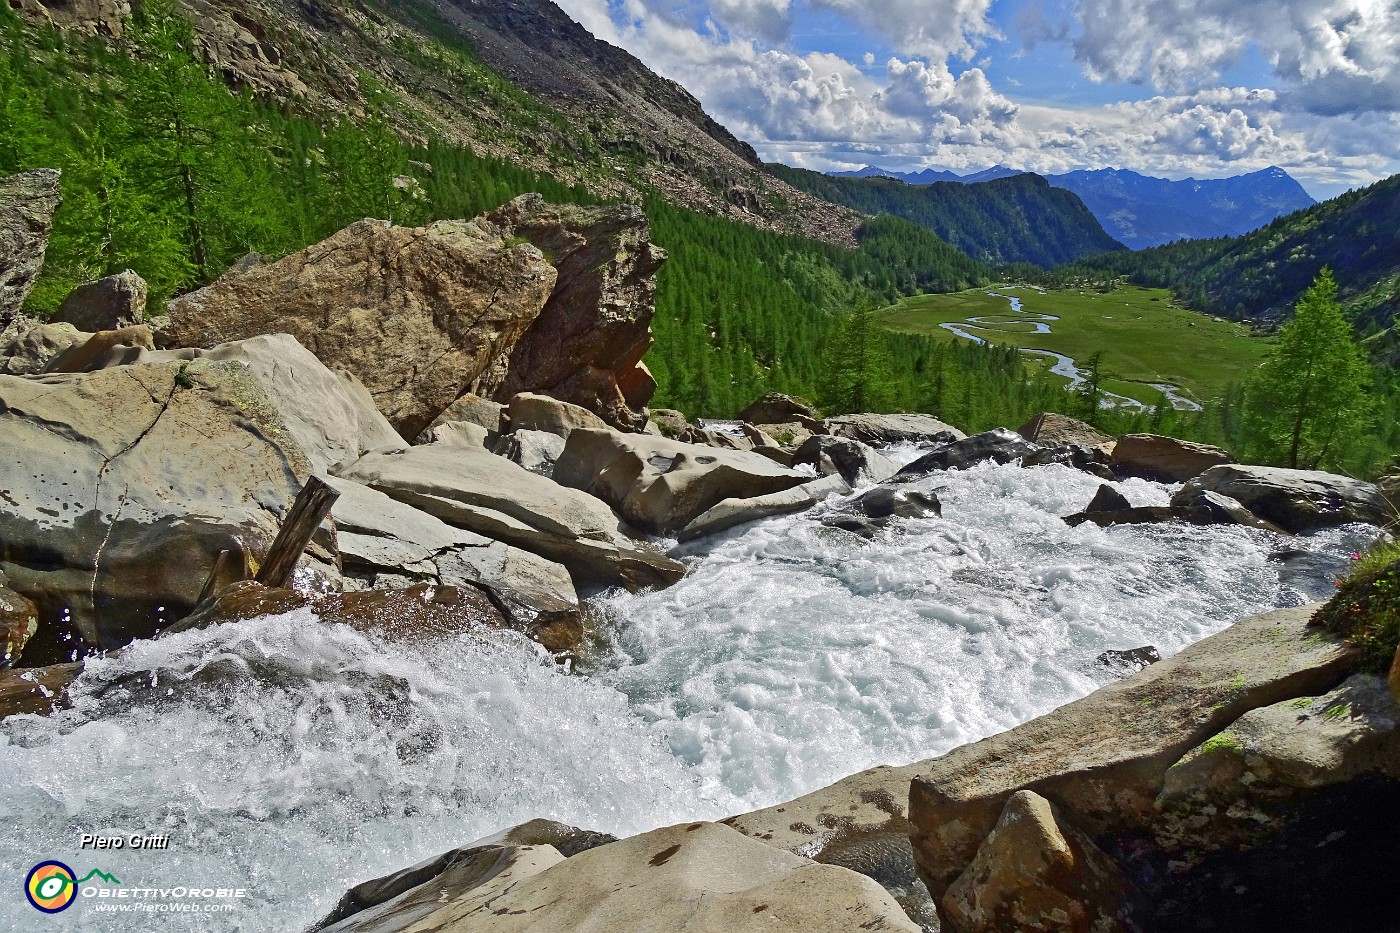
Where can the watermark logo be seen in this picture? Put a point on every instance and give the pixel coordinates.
(51, 887)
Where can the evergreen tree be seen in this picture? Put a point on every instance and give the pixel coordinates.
(857, 376)
(1309, 399)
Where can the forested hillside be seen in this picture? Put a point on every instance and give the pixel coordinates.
(1016, 219)
(1259, 276)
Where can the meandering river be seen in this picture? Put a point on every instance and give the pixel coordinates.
(1034, 322)
(294, 759)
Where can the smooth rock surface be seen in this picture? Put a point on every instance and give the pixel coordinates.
(446, 305)
(1295, 500)
(1102, 760)
(487, 494)
(730, 513)
(536, 451)
(858, 464)
(107, 304)
(905, 500)
(28, 202)
(469, 409)
(884, 430)
(26, 351)
(531, 412)
(661, 485)
(1164, 459)
(998, 445)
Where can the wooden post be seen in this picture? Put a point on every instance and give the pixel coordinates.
(305, 516)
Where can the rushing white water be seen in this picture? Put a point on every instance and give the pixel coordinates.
(295, 759)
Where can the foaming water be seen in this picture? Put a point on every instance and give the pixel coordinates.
(295, 759)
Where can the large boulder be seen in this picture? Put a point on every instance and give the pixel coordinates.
(1164, 459)
(856, 463)
(122, 486)
(28, 202)
(776, 408)
(37, 690)
(531, 412)
(1295, 500)
(107, 304)
(1103, 760)
(660, 485)
(1050, 429)
(997, 445)
(102, 346)
(917, 499)
(419, 315)
(474, 489)
(729, 513)
(468, 410)
(19, 621)
(27, 350)
(884, 430)
(536, 451)
(587, 344)
(384, 542)
(329, 416)
(697, 877)
(1036, 872)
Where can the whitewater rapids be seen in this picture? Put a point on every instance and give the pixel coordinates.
(294, 759)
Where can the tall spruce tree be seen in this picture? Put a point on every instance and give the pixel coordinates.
(1308, 401)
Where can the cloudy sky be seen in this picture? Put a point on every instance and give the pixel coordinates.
(1173, 88)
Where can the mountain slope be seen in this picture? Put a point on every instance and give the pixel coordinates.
(1261, 275)
(513, 79)
(1013, 219)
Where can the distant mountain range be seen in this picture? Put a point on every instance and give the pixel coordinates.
(1141, 211)
(1017, 218)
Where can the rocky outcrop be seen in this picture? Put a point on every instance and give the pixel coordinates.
(90, 17)
(1164, 459)
(997, 445)
(28, 202)
(587, 344)
(730, 513)
(1035, 872)
(107, 304)
(1049, 429)
(474, 489)
(384, 543)
(776, 408)
(420, 316)
(856, 463)
(699, 877)
(1103, 760)
(884, 430)
(660, 485)
(122, 486)
(1295, 500)
(27, 350)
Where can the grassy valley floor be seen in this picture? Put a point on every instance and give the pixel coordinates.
(1145, 337)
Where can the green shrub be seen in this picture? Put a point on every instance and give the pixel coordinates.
(1366, 609)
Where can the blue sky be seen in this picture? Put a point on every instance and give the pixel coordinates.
(1174, 88)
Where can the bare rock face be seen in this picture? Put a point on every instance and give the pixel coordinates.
(588, 342)
(420, 316)
(120, 487)
(107, 304)
(1035, 872)
(90, 17)
(28, 202)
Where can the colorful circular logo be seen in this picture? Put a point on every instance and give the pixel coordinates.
(51, 887)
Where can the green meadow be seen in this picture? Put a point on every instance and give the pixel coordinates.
(1145, 337)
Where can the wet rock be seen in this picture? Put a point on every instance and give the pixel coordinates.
(588, 341)
(776, 408)
(857, 525)
(1108, 499)
(732, 512)
(856, 463)
(1055, 430)
(122, 486)
(997, 445)
(1034, 871)
(1164, 459)
(19, 620)
(1103, 759)
(107, 304)
(1202, 507)
(1089, 459)
(1130, 660)
(481, 492)
(37, 690)
(28, 202)
(1295, 500)
(884, 430)
(700, 877)
(660, 485)
(1138, 515)
(449, 303)
(382, 539)
(906, 500)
